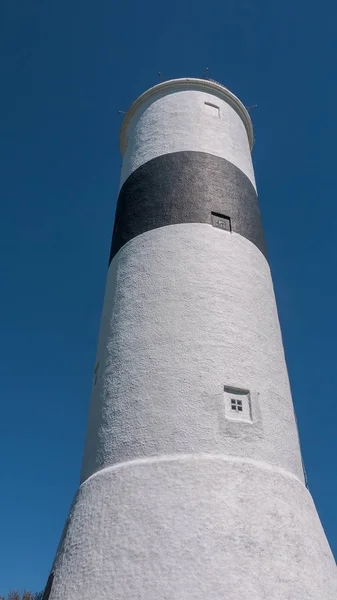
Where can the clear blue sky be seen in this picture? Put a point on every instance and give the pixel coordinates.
(67, 67)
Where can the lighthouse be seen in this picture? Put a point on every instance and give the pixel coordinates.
(192, 483)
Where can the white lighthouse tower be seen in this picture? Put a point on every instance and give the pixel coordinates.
(192, 486)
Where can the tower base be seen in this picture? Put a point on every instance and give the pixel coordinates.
(193, 527)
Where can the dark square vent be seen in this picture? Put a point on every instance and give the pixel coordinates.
(221, 221)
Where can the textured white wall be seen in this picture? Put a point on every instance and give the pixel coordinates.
(189, 309)
(178, 501)
(194, 528)
(180, 121)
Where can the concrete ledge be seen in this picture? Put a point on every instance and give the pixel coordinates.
(196, 458)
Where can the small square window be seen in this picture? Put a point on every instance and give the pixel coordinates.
(237, 404)
(221, 221)
(212, 109)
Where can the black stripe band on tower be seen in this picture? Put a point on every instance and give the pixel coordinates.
(186, 187)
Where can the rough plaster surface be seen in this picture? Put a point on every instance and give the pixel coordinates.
(186, 83)
(185, 187)
(194, 528)
(180, 500)
(179, 121)
(188, 310)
